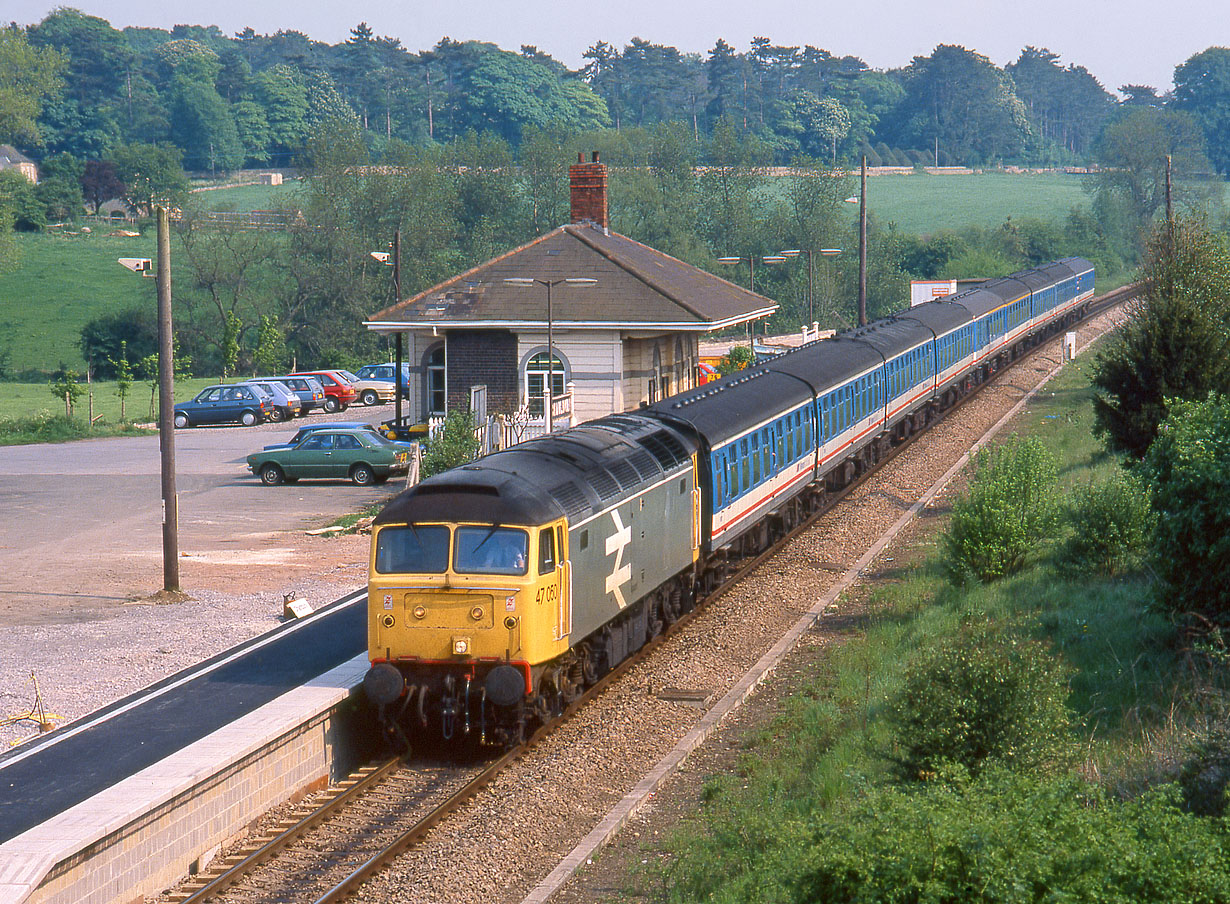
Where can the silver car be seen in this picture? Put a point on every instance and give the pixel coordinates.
(286, 402)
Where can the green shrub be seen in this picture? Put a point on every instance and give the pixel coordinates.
(1015, 838)
(1112, 526)
(980, 696)
(454, 445)
(1205, 774)
(1188, 469)
(1009, 507)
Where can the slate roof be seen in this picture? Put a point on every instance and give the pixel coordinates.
(637, 287)
(10, 156)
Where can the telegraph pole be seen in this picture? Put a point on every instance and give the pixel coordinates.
(862, 248)
(166, 410)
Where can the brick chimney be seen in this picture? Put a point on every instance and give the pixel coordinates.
(588, 181)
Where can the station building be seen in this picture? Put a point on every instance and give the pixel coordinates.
(630, 337)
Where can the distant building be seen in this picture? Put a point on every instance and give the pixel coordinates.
(11, 158)
(630, 338)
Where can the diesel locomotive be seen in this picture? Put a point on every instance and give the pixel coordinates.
(500, 590)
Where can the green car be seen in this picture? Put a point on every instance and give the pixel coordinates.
(363, 456)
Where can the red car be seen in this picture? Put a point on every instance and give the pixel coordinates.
(338, 391)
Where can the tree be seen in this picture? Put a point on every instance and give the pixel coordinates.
(1133, 154)
(19, 203)
(1175, 343)
(270, 355)
(1188, 468)
(119, 334)
(123, 377)
(29, 76)
(59, 187)
(1202, 88)
(150, 173)
(100, 183)
(960, 99)
(67, 387)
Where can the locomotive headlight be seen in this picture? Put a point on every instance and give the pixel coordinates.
(477, 613)
(461, 646)
(388, 621)
(510, 622)
(420, 612)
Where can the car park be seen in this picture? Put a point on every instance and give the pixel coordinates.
(339, 391)
(363, 456)
(227, 404)
(286, 402)
(311, 393)
(335, 425)
(371, 392)
(384, 372)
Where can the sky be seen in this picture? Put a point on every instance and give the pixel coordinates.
(1119, 41)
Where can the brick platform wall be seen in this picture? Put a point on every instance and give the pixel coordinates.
(475, 357)
(215, 804)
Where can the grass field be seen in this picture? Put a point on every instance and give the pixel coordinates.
(247, 197)
(925, 204)
(61, 283)
(26, 399)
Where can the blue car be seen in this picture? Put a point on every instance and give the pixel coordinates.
(307, 429)
(234, 404)
(385, 372)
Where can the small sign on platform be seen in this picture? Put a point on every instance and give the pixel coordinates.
(293, 607)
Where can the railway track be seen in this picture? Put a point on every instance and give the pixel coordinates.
(408, 800)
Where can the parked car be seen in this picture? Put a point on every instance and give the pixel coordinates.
(362, 455)
(371, 392)
(230, 404)
(286, 403)
(311, 393)
(385, 373)
(335, 425)
(339, 392)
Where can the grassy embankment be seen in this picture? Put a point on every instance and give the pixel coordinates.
(816, 797)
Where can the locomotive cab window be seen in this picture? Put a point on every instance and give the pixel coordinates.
(414, 549)
(490, 550)
(546, 551)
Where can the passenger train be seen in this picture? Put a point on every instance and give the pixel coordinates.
(500, 590)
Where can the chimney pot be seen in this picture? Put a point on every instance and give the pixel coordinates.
(588, 191)
(580, 157)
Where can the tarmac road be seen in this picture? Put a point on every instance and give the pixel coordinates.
(81, 522)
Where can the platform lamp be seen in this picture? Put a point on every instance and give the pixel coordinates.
(579, 282)
(166, 397)
(394, 261)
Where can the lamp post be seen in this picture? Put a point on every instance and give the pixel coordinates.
(580, 282)
(827, 252)
(395, 263)
(861, 200)
(166, 399)
(751, 283)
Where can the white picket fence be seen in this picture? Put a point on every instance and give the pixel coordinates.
(503, 431)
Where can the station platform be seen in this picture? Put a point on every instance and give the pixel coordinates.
(205, 733)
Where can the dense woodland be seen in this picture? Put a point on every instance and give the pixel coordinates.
(464, 147)
(253, 100)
